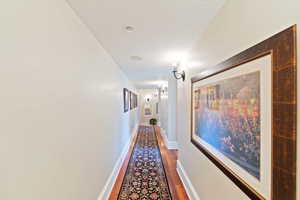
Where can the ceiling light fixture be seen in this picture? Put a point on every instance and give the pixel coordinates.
(129, 29)
(136, 58)
(148, 97)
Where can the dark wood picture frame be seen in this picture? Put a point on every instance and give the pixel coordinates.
(126, 99)
(136, 100)
(131, 100)
(282, 48)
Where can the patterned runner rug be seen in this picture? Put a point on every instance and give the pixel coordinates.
(145, 177)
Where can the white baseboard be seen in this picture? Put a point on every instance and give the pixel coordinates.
(104, 195)
(169, 144)
(172, 145)
(189, 188)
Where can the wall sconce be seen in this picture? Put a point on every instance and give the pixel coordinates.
(148, 98)
(178, 75)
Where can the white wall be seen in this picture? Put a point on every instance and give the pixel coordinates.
(62, 122)
(168, 112)
(163, 109)
(172, 111)
(143, 93)
(238, 26)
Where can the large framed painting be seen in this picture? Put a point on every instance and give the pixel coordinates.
(126, 99)
(244, 117)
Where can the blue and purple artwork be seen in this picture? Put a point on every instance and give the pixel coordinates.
(227, 116)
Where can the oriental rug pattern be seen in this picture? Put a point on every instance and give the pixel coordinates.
(145, 177)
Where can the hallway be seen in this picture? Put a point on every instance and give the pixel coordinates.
(149, 171)
(149, 100)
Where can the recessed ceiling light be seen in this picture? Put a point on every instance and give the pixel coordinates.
(129, 28)
(136, 58)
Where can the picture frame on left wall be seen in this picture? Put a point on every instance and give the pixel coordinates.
(131, 96)
(135, 101)
(126, 99)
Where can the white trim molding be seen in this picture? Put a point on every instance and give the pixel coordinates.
(189, 188)
(169, 144)
(172, 145)
(104, 195)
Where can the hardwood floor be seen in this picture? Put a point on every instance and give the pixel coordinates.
(116, 189)
(169, 158)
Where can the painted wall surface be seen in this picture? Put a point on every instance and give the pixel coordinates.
(238, 26)
(172, 112)
(163, 108)
(152, 94)
(62, 122)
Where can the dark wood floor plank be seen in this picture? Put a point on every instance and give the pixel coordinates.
(116, 189)
(170, 158)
